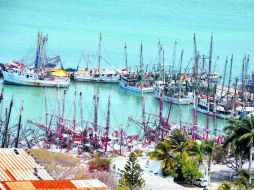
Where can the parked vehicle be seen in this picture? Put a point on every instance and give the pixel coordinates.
(200, 182)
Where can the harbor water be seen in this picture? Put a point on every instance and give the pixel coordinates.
(73, 28)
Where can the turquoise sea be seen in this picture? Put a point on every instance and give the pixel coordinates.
(73, 27)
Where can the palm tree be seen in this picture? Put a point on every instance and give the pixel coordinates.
(163, 152)
(208, 148)
(247, 136)
(232, 131)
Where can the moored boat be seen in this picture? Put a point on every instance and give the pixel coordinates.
(39, 74)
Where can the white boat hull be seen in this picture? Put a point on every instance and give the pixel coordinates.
(221, 116)
(100, 79)
(179, 101)
(15, 79)
(136, 89)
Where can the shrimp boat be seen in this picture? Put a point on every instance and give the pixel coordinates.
(39, 74)
(175, 91)
(98, 74)
(137, 81)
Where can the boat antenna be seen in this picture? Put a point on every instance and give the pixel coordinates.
(159, 52)
(208, 87)
(174, 54)
(141, 58)
(126, 57)
(224, 76)
(38, 49)
(196, 57)
(230, 74)
(179, 87)
(163, 66)
(99, 55)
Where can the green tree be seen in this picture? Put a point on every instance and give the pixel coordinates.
(208, 148)
(190, 170)
(131, 175)
(247, 136)
(163, 151)
(238, 149)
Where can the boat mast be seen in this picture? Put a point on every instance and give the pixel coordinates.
(6, 129)
(163, 66)
(19, 127)
(230, 74)
(196, 57)
(224, 76)
(99, 55)
(174, 55)
(208, 87)
(243, 69)
(180, 89)
(126, 57)
(159, 58)
(63, 108)
(161, 115)
(96, 101)
(194, 127)
(141, 64)
(37, 58)
(81, 109)
(143, 111)
(75, 111)
(107, 125)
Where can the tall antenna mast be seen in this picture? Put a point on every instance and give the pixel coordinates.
(159, 58)
(224, 76)
(126, 57)
(195, 57)
(180, 88)
(99, 55)
(163, 66)
(174, 55)
(230, 74)
(141, 58)
(208, 87)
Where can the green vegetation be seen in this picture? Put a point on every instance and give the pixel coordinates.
(239, 142)
(240, 183)
(181, 156)
(131, 175)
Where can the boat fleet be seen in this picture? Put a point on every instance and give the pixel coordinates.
(196, 84)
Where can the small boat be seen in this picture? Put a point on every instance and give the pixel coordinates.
(98, 74)
(135, 85)
(215, 110)
(104, 76)
(137, 81)
(31, 78)
(40, 74)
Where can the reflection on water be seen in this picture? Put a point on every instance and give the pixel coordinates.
(123, 104)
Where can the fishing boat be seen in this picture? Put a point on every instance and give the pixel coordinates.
(175, 91)
(39, 74)
(98, 74)
(137, 81)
